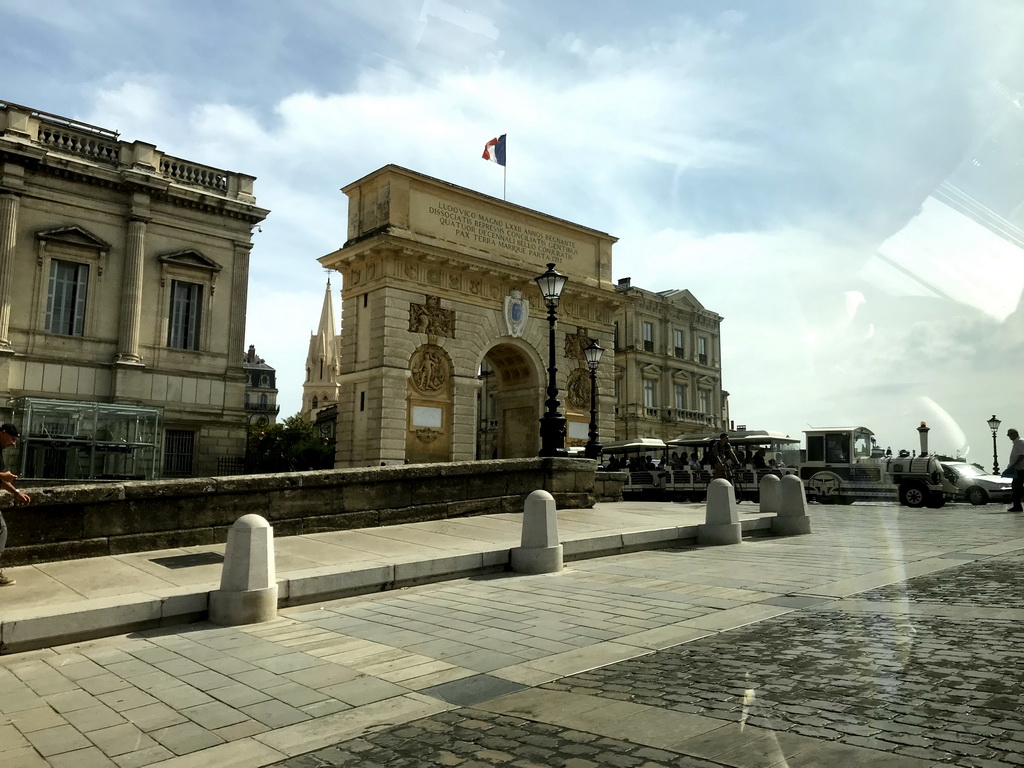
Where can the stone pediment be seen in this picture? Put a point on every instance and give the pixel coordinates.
(73, 236)
(652, 370)
(191, 259)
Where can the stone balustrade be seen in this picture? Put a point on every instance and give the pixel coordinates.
(68, 141)
(65, 136)
(197, 175)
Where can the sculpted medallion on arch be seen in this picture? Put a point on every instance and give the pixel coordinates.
(430, 369)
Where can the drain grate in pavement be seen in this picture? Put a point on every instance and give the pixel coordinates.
(189, 561)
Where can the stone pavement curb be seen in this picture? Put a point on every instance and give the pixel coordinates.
(45, 625)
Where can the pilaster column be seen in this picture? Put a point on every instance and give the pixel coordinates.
(239, 300)
(131, 293)
(8, 230)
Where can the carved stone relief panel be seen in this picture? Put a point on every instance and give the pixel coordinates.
(575, 343)
(578, 389)
(431, 319)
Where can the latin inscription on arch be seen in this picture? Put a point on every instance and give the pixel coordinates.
(461, 223)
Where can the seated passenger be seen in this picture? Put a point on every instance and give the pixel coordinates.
(758, 460)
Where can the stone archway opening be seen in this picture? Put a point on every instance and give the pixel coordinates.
(508, 406)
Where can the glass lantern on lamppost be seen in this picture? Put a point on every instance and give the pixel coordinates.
(993, 424)
(552, 424)
(593, 354)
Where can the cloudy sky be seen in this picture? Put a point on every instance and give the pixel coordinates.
(813, 171)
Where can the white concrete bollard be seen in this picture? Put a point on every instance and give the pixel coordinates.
(248, 583)
(792, 519)
(722, 524)
(540, 551)
(769, 492)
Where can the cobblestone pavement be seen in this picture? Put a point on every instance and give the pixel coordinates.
(882, 639)
(944, 689)
(474, 738)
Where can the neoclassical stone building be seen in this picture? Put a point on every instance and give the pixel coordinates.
(123, 279)
(443, 324)
(668, 365)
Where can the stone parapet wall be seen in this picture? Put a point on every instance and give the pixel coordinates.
(608, 485)
(66, 522)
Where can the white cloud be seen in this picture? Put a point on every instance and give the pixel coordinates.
(756, 158)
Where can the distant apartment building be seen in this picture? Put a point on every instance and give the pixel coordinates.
(668, 365)
(123, 282)
(261, 406)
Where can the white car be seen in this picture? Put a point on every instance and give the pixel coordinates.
(974, 485)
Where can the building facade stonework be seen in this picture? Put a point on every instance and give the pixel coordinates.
(668, 365)
(123, 279)
(444, 329)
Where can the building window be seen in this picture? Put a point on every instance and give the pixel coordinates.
(680, 349)
(649, 401)
(179, 450)
(680, 390)
(615, 335)
(648, 336)
(183, 329)
(702, 351)
(316, 402)
(705, 401)
(65, 303)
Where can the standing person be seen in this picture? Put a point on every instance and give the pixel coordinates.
(8, 437)
(723, 457)
(1016, 462)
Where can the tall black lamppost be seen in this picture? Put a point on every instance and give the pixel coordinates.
(593, 356)
(552, 425)
(993, 424)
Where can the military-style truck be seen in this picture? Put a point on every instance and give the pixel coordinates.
(844, 465)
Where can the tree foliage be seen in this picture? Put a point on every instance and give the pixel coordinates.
(291, 446)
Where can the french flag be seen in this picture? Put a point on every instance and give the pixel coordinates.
(494, 150)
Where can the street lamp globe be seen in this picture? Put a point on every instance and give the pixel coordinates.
(551, 284)
(593, 355)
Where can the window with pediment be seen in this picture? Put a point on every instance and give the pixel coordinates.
(69, 258)
(189, 281)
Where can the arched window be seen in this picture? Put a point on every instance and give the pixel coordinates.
(316, 402)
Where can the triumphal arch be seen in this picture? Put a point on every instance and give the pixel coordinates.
(444, 351)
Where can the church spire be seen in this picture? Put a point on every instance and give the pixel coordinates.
(323, 361)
